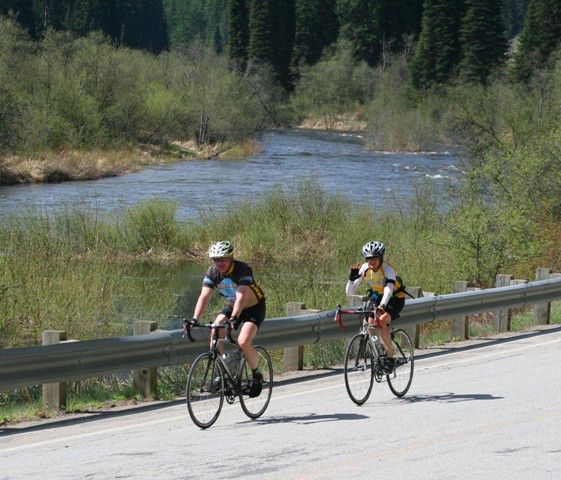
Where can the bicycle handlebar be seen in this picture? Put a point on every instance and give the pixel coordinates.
(211, 326)
(339, 319)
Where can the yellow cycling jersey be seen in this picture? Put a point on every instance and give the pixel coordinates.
(377, 280)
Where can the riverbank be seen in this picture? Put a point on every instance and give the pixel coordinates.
(349, 122)
(76, 165)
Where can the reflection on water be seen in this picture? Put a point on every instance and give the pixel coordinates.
(158, 292)
(337, 161)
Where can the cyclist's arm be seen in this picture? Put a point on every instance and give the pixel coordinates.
(353, 285)
(390, 283)
(202, 302)
(242, 294)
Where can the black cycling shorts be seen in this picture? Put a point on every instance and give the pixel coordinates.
(394, 306)
(255, 314)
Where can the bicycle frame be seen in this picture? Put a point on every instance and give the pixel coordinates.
(233, 379)
(366, 327)
(357, 363)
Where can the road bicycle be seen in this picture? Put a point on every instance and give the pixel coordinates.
(212, 378)
(365, 357)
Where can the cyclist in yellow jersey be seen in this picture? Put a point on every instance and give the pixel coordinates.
(384, 292)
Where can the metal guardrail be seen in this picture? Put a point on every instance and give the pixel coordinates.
(84, 359)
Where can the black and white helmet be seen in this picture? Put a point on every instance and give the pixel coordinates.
(374, 249)
(221, 249)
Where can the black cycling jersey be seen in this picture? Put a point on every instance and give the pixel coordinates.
(239, 273)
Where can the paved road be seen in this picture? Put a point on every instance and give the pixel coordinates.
(483, 411)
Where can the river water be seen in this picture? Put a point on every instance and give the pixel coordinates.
(339, 162)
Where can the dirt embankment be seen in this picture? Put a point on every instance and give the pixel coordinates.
(66, 165)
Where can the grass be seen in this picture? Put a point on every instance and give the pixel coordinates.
(78, 271)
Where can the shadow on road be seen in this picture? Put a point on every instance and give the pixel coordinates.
(88, 416)
(449, 397)
(308, 419)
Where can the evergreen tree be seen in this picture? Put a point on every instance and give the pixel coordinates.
(316, 27)
(438, 52)
(50, 13)
(261, 48)
(358, 25)
(540, 36)
(217, 40)
(238, 37)
(482, 37)
(22, 11)
(513, 16)
(282, 33)
(375, 26)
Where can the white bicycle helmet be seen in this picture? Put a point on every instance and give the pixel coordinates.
(221, 249)
(374, 249)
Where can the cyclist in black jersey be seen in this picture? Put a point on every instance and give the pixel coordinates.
(245, 301)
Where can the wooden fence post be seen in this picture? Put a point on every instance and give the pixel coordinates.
(293, 357)
(354, 300)
(414, 331)
(54, 394)
(145, 379)
(460, 325)
(501, 322)
(542, 310)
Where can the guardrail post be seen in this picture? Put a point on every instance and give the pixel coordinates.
(145, 379)
(414, 331)
(354, 300)
(542, 310)
(54, 394)
(293, 357)
(501, 322)
(460, 325)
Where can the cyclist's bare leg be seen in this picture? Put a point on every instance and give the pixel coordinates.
(221, 318)
(245, 341)
(385, 334)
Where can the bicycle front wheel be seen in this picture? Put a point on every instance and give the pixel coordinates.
(359, 369)
(205, 390)
(254, 407)
(400, 379)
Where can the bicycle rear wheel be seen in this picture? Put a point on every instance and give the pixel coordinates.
(400, 379)
(256, 406)
(205, 390)
(359, 369)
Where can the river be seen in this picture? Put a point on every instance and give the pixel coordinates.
(339, 162)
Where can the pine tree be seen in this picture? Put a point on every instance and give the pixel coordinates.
(261, 48)
(513, 16)
(238, 37)
(482, 37)
(283, 39)
(375, 26)
(22, 11)
(358, 25)
(217, 41)
(540, 36)
(316, 27)
(438, 52)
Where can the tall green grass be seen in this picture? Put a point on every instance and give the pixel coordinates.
(67, 270)
(92, 274)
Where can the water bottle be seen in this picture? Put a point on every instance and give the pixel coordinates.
(235, 360)
(376, 342)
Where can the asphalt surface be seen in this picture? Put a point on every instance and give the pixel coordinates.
(481, 409)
